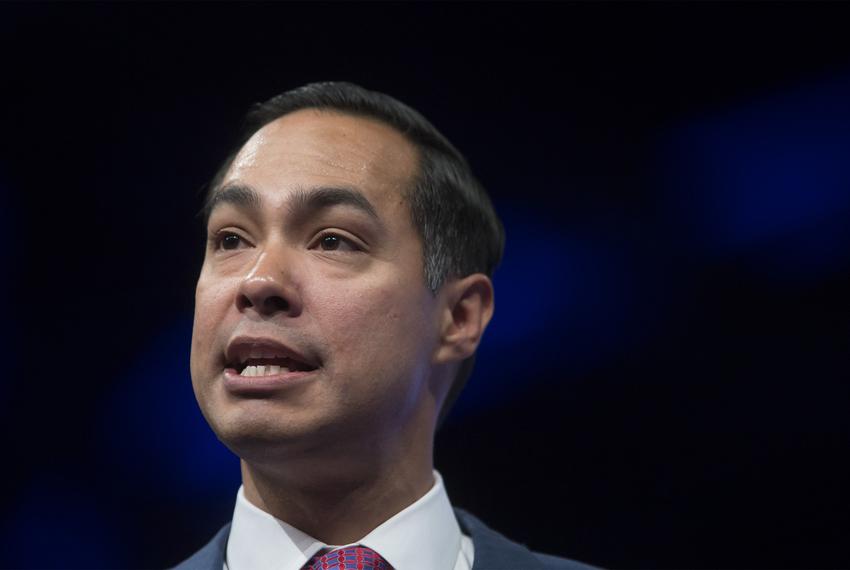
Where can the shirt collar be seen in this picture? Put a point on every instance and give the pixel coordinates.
(259, 541)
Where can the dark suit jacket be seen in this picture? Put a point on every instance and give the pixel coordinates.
(492, 551)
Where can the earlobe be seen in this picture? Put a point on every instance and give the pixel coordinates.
(468, 308)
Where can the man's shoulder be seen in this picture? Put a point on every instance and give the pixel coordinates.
(493, 551)
(211, 556)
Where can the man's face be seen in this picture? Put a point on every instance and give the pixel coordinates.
(313, 324)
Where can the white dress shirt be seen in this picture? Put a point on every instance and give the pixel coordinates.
(423, 536)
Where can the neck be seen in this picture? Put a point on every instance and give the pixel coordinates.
(338, 499)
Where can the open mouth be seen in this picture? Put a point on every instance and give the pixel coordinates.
(270, 366)
(266, 357)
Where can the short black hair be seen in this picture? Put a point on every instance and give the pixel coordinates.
(460, 231)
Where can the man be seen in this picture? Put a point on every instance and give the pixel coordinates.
(344, 291)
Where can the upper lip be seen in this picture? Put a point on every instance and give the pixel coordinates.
(240, 348)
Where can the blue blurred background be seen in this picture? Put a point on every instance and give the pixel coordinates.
(665, 383)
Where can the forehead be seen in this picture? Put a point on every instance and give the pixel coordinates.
(315, 147)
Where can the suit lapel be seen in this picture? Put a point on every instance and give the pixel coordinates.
(492, 550)
(211, 556)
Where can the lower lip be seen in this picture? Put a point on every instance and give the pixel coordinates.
(263, 385)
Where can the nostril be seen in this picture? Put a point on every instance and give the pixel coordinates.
(270, 304)
(275, 303)
(243, 302)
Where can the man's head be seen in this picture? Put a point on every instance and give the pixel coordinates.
(350, 244)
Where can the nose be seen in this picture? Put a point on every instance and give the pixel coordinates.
(268, 288)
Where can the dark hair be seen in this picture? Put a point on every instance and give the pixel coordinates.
(460, 231)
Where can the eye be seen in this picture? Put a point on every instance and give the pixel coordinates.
(228, 241)
(336, 242)
(330, 242)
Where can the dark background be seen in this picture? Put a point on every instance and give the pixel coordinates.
(665, 383)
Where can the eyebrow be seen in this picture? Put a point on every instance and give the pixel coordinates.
(240, 195)
(303, 202)
(309, 201)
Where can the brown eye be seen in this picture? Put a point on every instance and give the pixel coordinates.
(330, 243)
(335, 242)
(230, 241)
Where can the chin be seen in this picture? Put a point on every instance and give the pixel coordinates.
(256, 430)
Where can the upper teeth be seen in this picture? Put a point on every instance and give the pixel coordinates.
(264, 370)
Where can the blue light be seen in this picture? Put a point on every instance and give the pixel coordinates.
(563, 301)
(154, 430)
(769, 180)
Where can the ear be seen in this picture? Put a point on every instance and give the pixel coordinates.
(466, 309)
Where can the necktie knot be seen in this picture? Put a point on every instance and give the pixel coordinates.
(348, 558)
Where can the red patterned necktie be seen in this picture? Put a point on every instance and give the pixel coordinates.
(348, 558)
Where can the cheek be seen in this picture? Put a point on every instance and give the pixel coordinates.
(378, 327)
(211, 302)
